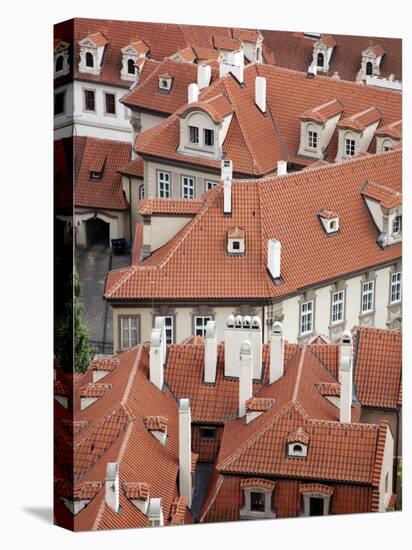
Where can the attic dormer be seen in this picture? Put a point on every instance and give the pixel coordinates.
(356, 133)
(371, 61)
(322, 53)
(131, 54)
(97, 166)
(138, 494)
(297, 443)
(165, 82)
(157, 426)
(388, 137)
(61, 58)
(329, 221)
(236, 241)
(91, 53)
(385, 207)
(317, 127)
(91, 393)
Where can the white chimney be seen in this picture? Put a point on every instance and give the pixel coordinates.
(156, 358)
(277, 347)
(185, 450)
(112, 486)
(233, 63)
(260, 93)
(210, 353)
(155, 512)
(192, 93)
(204, 75)
(282, 168)
(227, 174)
(274, 252)
(245, 376)
(160, 323)
(345, 372)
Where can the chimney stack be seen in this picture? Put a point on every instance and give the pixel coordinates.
(233, 63)
(274, 253)
(210, 353)
(282, 168)
(155, 513)
(160, 323)
(185, 451)
(345, 372)
(204, 75)
(260, 93)
(277, 347)
(245, 376)
(227, 174)
(192, 93)
(156, 358)
(112, 486)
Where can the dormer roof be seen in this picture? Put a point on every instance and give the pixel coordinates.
(94, 390)
(59, 44)
(298, 436)
(328, 41)
(96, 38)
(156, 423)
(236, 233)
(362, 120)
(259, 404)
(247, 35)
(387, 197)
(139, 46)
(139, 491)
(105, 364)
(218, 107)
(227, 43)
(178, 207)
(324, 112)
(393, 130)
(377, 50)
(328, 214)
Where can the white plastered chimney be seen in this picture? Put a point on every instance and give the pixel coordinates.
(260, 93)
(345, 375)
(227, 175)
(282, 168)
(277, 347)
(237, 330)
(245, 376)
(274, 257)
(192, 93)
(156, 358)
(185, 450)
(210, 353)
(111, 486)
(233, 63)
(204, 75)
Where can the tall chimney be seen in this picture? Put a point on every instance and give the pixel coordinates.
(155, 512)
(185, 450)
(160, 323)
(277, 347)
(245, 376)
(274, 253)
(227, 174)
(345, 371)
(260, 93)
(210, 353)
(282, 168)
(156, 358)
(192, 93)
(233, 63)
(204, 75)
(111, 486)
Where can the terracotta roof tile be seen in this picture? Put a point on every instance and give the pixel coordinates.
(148, 207)
(94, 390)
(178, 511)
(226, 43)
(105, 363)
(327, 214)
(134, 168)
(298, 436)
(377, 49)
(247, 35)
(258, 482)
(328, 41)
(324, 112)
(140, 491)
(80, 491)
(316, 488)
(259, 404)
(329, 390)
(74, 427)
(393, 130)
(362, 120)
(387, 197)
(61, 389)
(156, 423)
(236, 232)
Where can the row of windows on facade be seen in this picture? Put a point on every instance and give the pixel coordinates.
(164, 190)
(320, 61)
(89, 102)
(350, 144)
(129, 325)
(89, 60)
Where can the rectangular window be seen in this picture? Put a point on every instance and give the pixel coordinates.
(367, 296)
(257, 502)
(200, 325)
(89, 101)
(59, 103)
(95, 175)
(110, 104)
(316, 506)
(169, 329)
(306, 317)
(397, 225)
(312, 139)
(207, 433)
(194, 134)
(396, 287)
(128, 332)
(349, 147)
(210, 184)
(188, 187)
(338, 306)
(163, 185)
(209, 137)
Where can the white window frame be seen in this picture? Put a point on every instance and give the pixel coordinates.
(85, 91)
(306, 317)
(141, 192)
(209, 184)
(247, 512)
(201, 327)
(163, 184)
(205, 130)
(350, 147)
(106, 112)
(126, 326)
(367, 299)
(396, 287)
(312, 139)
(169, 328)
(188, 187)
(194, 133)
(338, 307)
(306, 503)
(397, 225)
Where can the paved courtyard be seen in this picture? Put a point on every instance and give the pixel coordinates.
(92, 264)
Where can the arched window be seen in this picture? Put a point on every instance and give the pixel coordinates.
(369, 68)
(320, 60)
(89, 60)
(59, 63)
(130, 66)
(141, 192)
(333, 225)
(297, 448)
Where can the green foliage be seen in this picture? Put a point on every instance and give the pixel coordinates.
(72, 342)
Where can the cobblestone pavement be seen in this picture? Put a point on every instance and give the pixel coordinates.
(92, 265)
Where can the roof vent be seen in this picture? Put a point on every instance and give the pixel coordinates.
(274, 253)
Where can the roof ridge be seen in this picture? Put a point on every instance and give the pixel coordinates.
(299, 374)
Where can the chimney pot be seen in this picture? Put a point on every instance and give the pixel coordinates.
(192, 93)
(277, 347)
(227, 174)
(282, 168)
(204, 75)
(274, 256)
(210, 352)
(345, 377)
(260, 93)
(112, 486)
(245, 376)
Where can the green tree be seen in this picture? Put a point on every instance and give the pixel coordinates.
(72, 343)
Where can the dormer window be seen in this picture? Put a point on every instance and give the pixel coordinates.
(97, 165)
(320, 60)
(322, 53)
(61, 58)
(132, 54)
(397, 225)
(312, 139)
(59, 64)
(236, 241)
(350, 146)
(329, 221)
(208, 137)
(89, 60)
(356, 133)
(297, 443)
(91, 53)
(258, 498)
(131, 69)
(317, 126)
(369, 68)
(95, 175)
(165, 83)
(371, 60)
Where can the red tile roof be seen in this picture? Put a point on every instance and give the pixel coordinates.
(315, 488)
(378, 367)
(140, 491)
(103, 155)
(387, 197)
(259, 404)
(105, 364)
(156, 423)
(331, 390)
(258, 482)
(247, 35)
(362, 120)
(98, 39)
(298, 436)
(328, 41)
(134, 168)
(226, 43)
(235, 233)
(94, 390)
(393, 130)
(323, 112)
(327, 214)
(148, 207)
(377, 49)
(266, 215)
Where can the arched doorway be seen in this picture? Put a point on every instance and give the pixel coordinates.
(97, 232)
